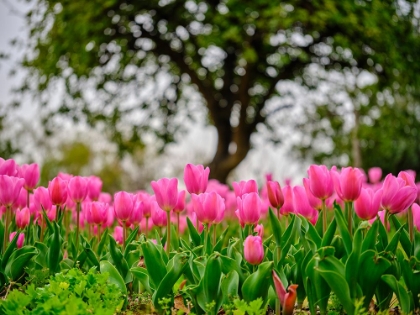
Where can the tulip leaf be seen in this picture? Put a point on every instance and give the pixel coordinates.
(257, 284)
(154, 263)
(329, 234)
(101, 245)
(55, 254)
(382, 238)
(9, 250)
(312, 234)
(143, 276)
(371, 236)
(220, 240)
(41, 258)
(343, 229)
(92, 257)
(229, 264)
(400, 292)
(317, 288)
(212, 280)
(412, 280)
(416, 250)
(275, 227)
(230, 285)
(18, 261)
(194, 235)
(404, 237)
(171, 277)
(117, 258)
(174, 238)
(114, 277)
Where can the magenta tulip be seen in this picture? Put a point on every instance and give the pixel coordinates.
(58, 191)
(180, 204)
(118, 234)
(22, 218)
(320, 181)
(30, 173)
(416, 215)
(249, 206)
(98, 212)
(288, 201)
(245, 187)
(159, 216)
(315, 202)
(196, 178)
(397, 196)
(275, 194)
(8, 167)
(20, 240)
(348, 183)
(207, 206)
(20, 202)
(166, 193)
(287, 298)
(77, 188)
(375, 175)
(123, 205)
(301, 203)
(10, 189)
(259, 229)
(94, 187)
(253, 250)
(368, 203)
(42, 199)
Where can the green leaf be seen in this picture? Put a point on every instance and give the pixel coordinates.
(404, 237)
(118, 258)
(230, 285)
(194, 236)
(329, 234)
(55, 253)
(400, 292)
(101, 245)
(257, 284)
(92, 257)
(313, 235)
(371, 236)
(9, 250)
(143, 276)
(342, 228)
(212, 278)
(154, 263)
(275, 227)
(18, 261)
(114, 277)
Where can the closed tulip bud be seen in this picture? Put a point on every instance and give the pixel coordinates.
(245, 187)
(287, 298)
(123, 205)
(348, 183)
(253, 250)
(249, 206)
(58, 191)
(301, 202)
(147, 203)
(315, 202)
(30, 173)
(118, 234)
(77, 188)
(375, 175)
(159, 216)
(288, 201)
(398, 194)
(98, 212)
(368, 203)
(180, 204)
(207, 206)
(105, 197)
(166, 193)
(259, 229)
(20, 202)
(196, 178)
(320, 181)
(275, 194)
(22, 218)
(94, 187)
(42, 199)
(416, 215)
(10, 189)
(137, 213)
(20, 240)
(8, 167)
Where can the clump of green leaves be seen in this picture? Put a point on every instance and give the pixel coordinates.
(241, 307)
(69, 292)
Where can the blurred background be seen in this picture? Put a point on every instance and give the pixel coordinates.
(133, 90)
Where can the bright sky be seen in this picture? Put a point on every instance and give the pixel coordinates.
(261, 160)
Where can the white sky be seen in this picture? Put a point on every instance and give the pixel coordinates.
(199, 143)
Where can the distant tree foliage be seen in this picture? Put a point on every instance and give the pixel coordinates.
(130, 66)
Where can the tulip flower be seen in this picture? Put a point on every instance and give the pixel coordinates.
(77, 188)
(196, 178)
(315, 202)
(21, 200)
(22, 218)
(275, 195)
(98, 212)
(94, 187)
(288, 201)
(9, 189)
(259, 229)
(301, 203)
(216, 186)
(249, 206)
(287, 298)
(416, 215)
(146, 203)
(20, 240)
(397, 195)
(30, 173)
(180, 206)
(8, 167)
(245, 187)
(58, 191)
(123, 205)
(207, 206)
(320, 181)
(253, 250)
(118, 235)
(42, 199)
(368, 203)
(159, 216)
(375, 175)
(348, 183)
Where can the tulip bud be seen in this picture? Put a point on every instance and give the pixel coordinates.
(348, 183)
(94, 187)
(30, 173)
(123, 205)
(375, 175)
(159, 216)
(245, 187)
(10, 189)
(249, 206)
(166, 193)
(196, 178)
(207, 206)
(398, 194)
(118, 234)
(275, 194)
(20, 240)
(320, 181)
(8, 167)
(77, 188)
(22, 218)
(368, 203)
(287, 299)
(253, 250)
(58, 191)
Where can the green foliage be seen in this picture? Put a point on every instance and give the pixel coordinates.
(70, 292)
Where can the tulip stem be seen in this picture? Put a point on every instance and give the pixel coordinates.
(410, 223)
(386, 220)
(168, 232)
(78, 206)
(206, 236)
(147, 226)
(214, 234)
(349, 213)
(124, 235)
(324, 217)
(6, 228)
(177, 221)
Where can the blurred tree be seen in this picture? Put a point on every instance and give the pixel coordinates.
(130, 65)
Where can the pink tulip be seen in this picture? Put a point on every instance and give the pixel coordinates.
(118, 234)
(275, 194)
(22, 218)
(98, 212)
(159, 216)
(42, 199)
(147, 203)
(94, 187)
(104, 197)
(375, 175)
(348, 183)
(8, 167)
(77, 188)
(259, 229)
(166, 193)
(315, 202)
(123, 205)
(20, 240)
(249, 206)
(180, 204)
(9, 189)
(288, 201)
(20, 202)
(58, 191)
(220, 213)
(30, 173)
(137, 213)
(207, 206)
(416, 215)
(52, 213)
(301, 202)
(320, 181)
(368, 203)
(245, 187)
(216, 186)
(196, 178)
(398, 194)
(253, 250)
(269, 177)
(287, 298)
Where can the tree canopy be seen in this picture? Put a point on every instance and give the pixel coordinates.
(135, 66)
